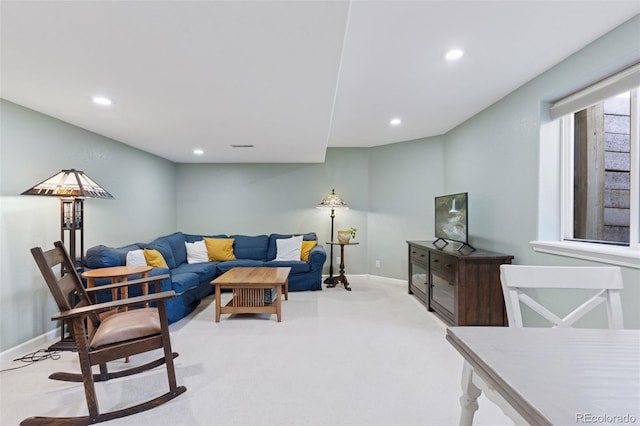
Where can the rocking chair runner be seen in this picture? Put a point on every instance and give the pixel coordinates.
(117, 336)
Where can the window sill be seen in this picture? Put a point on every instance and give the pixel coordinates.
(615, 255)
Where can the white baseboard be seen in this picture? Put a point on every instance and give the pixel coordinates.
(377, 278)
(29, 346)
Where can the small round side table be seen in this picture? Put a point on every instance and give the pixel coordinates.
(342, 278)
(117, 274)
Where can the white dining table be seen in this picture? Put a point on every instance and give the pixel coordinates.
(555, 376)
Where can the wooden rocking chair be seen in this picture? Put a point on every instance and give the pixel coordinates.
(117, 336)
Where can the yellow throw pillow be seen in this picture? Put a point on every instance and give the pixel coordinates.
(219, 249)
(154, 258)
(306, 248)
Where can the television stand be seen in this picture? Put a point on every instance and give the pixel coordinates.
(461, 288)
(446, 243)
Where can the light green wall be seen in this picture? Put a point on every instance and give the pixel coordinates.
(390, 189)
(496, 156)
(33, 147)
(403, 180)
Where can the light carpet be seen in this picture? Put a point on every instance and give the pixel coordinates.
(372, 356)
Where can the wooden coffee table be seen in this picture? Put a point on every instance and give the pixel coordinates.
(248, 286)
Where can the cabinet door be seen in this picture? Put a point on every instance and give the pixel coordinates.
(418, 281)
(443, 292)
(442, 296)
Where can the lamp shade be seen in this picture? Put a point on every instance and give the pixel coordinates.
(332, 201)
(69, 183)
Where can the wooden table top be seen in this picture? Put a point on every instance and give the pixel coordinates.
(254, 276)
(116, 271)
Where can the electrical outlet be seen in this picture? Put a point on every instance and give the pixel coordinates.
(338, 260)
(377, 263)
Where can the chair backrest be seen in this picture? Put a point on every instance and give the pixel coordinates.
(67, 290)
(605, 281)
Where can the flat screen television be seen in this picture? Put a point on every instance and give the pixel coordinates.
(452, 220)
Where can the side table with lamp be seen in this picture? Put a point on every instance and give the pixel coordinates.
(332, 201)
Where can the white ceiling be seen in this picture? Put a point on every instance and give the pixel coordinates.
(289, 77)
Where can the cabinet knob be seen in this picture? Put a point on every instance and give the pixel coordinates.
(448, 265)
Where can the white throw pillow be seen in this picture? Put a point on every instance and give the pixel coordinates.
(136, 258)
(288, 249)
(197, 252)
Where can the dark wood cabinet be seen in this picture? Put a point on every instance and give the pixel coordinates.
(462, 288)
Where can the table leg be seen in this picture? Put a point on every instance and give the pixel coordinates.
(279, 302)
(114, 291)
(145, 288)
(285, 287)
(469, 398)
(218, 307)
(90, 284)
(125, 291)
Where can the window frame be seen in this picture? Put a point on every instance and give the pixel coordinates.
(559, 135)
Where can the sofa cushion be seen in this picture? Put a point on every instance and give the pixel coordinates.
(306, 249)
(206, 271)
(297, 266)
(154, 258)
(184, 281)
(238, 263)
(272, 250)
(176, 242)
(219, 249)
(196, 252)
(250, 247)
(288, 248)
(103, 257)
(192, 237)
(164, 248)
(136, 258)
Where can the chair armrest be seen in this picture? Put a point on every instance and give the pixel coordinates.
(128, 283)
(99, 307)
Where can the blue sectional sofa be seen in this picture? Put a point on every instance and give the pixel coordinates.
(191, 281)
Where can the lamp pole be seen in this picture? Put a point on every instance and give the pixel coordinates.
(330, 279)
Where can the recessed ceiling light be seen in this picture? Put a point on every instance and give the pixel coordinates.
(101, 100)
(454, 54)
(395, 122)
(198, 151)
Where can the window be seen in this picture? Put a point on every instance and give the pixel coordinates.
(595, 133)
(597, 142)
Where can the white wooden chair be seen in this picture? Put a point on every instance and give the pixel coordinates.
(606, 283)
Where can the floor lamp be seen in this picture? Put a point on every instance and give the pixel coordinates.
(333, 202)
(72, 187)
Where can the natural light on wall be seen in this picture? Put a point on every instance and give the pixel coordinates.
(597, 144)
